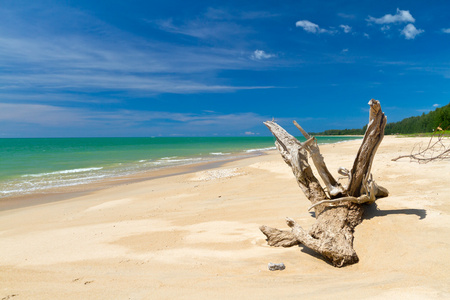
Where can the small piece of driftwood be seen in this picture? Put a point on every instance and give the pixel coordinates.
(437, 148)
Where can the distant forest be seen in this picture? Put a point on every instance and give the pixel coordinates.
(420, 124)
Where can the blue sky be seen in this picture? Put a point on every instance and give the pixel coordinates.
(205, 68)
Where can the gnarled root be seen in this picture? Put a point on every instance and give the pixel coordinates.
(279, 238)
(337, 248)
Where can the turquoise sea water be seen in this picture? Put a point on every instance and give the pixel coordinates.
(34, 165)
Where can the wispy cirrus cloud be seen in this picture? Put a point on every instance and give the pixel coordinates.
(214, 23)
(215, 13)
(203, 29)
(445, 30)
(52, 63)
(86, 122)
(73, 52)
(46, 115)
(96, 81)
(346, 16)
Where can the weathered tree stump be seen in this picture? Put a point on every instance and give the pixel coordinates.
(338, 208)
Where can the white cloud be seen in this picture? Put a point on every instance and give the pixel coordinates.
(410, 32)
(346, 28)
(308, 26)
(311, 27)
(400, 17)
(344, 50)
(261, 54)
(446, 30)
(366, 35)
(436, 105)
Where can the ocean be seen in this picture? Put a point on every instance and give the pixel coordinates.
(39, 164)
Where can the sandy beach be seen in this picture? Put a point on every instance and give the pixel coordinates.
(195, 236)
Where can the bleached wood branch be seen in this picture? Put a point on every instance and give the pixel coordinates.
(360, 200)
(334, 188)
(366, 153)
(436, 149)
(294, 154)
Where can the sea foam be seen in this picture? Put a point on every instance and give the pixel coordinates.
(80, 170)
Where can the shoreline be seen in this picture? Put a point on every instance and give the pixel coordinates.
(68, 192)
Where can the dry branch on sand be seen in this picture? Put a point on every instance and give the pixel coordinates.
(338, 208)
(438, 148)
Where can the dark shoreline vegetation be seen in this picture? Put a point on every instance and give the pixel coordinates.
(423, 125)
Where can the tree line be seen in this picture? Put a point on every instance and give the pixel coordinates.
(419, 124)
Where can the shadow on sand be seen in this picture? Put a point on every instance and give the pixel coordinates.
(371, 211)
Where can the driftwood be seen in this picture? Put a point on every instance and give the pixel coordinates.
(338, 208)
(436, 149)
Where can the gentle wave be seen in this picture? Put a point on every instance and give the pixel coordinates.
(219, 153)
(260, 149)
(80, 170)
(180, 160)
(20, 188)
(31, 183)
